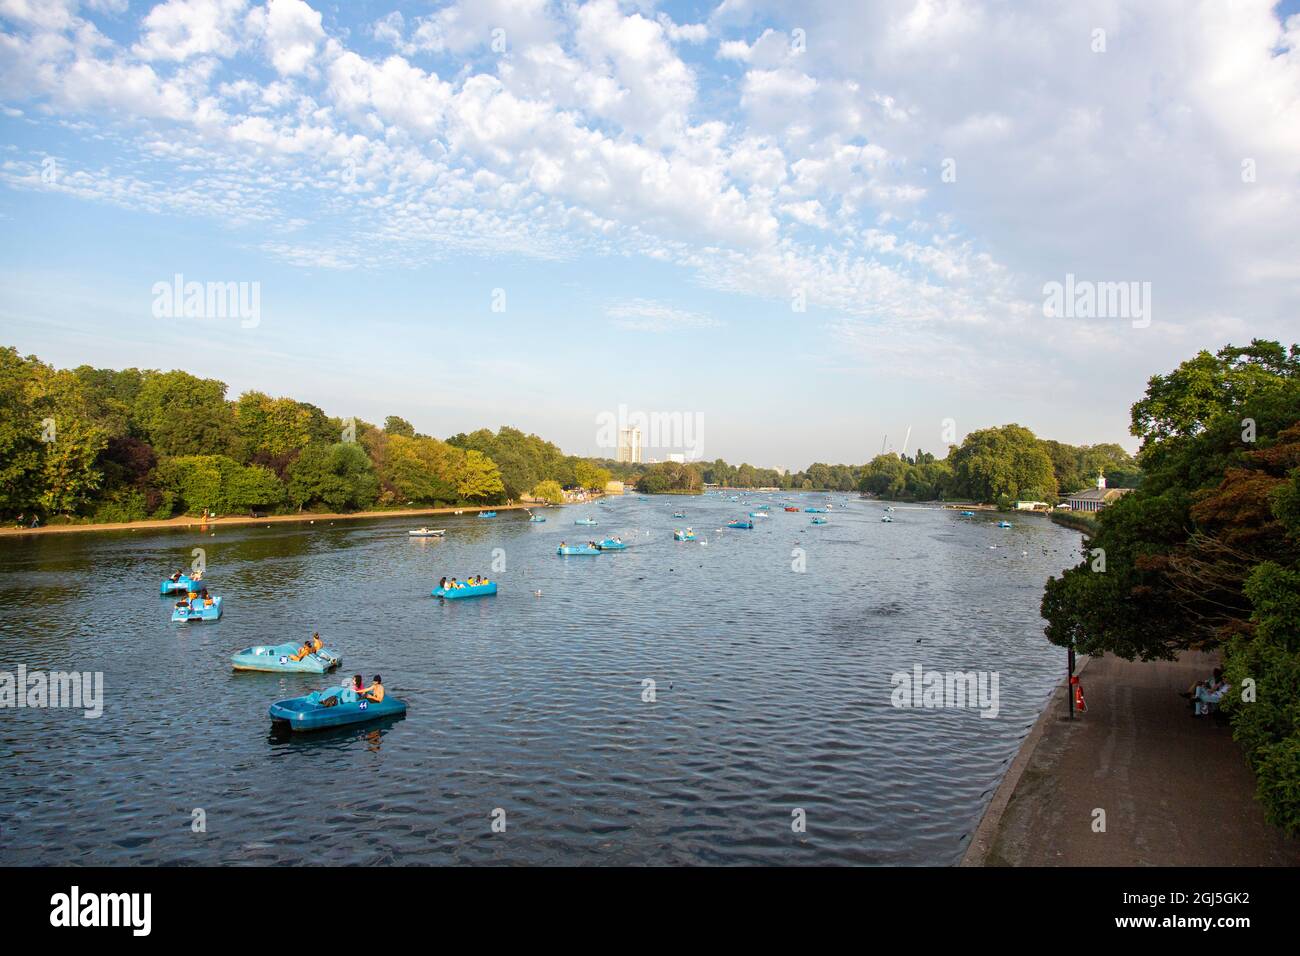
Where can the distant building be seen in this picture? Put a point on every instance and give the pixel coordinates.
(1032, 506)
(629, 446)
(1094, 499)
(680, 459)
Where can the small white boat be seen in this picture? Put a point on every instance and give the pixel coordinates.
(427, 533)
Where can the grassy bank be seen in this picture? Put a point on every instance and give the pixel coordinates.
(1077, 520)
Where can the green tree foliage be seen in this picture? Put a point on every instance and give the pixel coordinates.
(591, 476)
(671, 477)
(52, 432)
(399, 426)
(20, 434)
(272, 431)
(1008, 462)
(219, 483)
(418, 470)
(549, 491)
(76, 433)
(179, 414)
(338, 476)
(1077, 466)
(1206, 552)
(522, 460)
(479, 479)
(920, 478)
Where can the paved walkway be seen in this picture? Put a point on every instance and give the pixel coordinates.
(1176, 790)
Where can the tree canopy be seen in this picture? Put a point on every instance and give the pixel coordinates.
(1206, 552)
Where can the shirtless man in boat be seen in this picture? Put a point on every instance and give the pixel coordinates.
(375, 691)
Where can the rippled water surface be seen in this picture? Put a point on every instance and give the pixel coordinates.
(773, 689)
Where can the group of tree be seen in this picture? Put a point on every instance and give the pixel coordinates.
(1002, 465)
(671, 478)
(109, 446)
(1206, 552)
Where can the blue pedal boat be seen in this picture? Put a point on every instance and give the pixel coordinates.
(468, 591)
(740, 524)
(1004, 524)
(585, 521)
(609, 544)
(307, 713)
(537, 519)
(968, 514)
(196, 610)
(182, 585)
(573, 549)
(815, 511)
(687, 535)
(821, 521)
(278, 658)
(487, 514)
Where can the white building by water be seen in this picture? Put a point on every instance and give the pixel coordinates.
(1094, 499)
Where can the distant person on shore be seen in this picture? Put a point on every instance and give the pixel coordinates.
(1213, 681)
(1205, 695)
(1208, 696)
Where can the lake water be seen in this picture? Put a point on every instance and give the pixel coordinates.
(772, 689)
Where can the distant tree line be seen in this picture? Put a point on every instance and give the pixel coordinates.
(89, 444)
(1002, 464)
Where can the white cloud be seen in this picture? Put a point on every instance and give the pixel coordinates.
(180, 29)
(646, 315)
(759, 171)
(290, 31)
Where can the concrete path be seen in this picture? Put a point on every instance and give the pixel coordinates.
(1176, 790)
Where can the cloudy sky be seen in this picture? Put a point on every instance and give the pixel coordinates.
(810, 225)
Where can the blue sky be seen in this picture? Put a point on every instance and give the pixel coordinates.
(653, 187)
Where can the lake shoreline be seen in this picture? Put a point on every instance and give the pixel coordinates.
(232, 521)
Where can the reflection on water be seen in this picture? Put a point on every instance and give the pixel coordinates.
(772, 689)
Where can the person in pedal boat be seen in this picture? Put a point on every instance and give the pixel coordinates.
(303, 651)
(358, 685)
(375, 691)
(316, 642)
